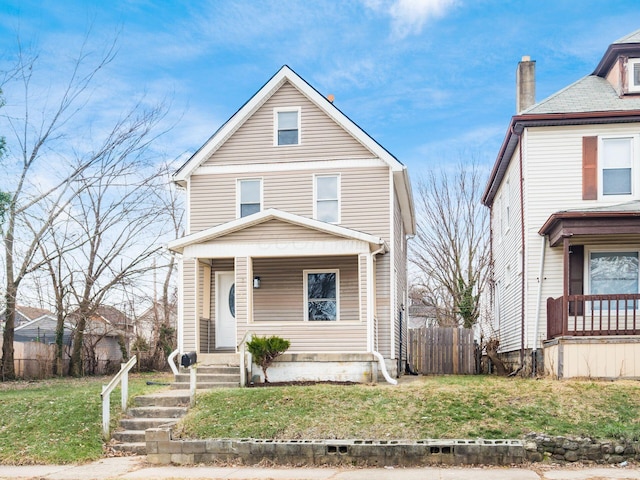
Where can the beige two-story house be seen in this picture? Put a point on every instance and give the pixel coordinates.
(297, 226)
(564, 195)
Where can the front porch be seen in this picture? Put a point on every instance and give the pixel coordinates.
(593, 328)
(593, 315)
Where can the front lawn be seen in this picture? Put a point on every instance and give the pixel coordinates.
(432, 407)
(58, 420)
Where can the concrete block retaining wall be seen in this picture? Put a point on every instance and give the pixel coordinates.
(162, 449)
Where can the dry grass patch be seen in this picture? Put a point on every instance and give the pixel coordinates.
(433, 407)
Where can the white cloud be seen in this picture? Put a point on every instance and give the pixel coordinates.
(408, 17)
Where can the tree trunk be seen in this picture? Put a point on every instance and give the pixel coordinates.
(8, 367)
(492, 353)
(75, 365)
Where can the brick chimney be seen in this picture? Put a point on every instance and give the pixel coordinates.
(525, 84)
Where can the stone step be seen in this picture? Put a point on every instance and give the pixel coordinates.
(205, 385)
(168, 398)
(208, 378)
(144, 423)
(129, 436)
(157, 411)
(135, 448)
(214, 369)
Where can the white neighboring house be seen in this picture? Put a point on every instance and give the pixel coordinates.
(564, 195)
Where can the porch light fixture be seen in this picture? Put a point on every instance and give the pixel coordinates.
(256, 282)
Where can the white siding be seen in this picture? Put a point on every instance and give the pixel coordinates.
(552, 158)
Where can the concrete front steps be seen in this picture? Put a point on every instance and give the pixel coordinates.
(210, 376)
(149, 411)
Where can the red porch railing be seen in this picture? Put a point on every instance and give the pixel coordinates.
(593, 315)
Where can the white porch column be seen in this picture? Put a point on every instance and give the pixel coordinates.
(180, 320)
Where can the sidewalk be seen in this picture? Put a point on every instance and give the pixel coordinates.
(136, 468)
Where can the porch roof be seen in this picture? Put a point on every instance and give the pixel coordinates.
(605, 220)
(179, 245)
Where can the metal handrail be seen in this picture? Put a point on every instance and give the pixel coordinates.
(243, 360)
(123, 377)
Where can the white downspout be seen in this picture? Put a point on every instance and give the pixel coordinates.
(370, 310)
(539, 299)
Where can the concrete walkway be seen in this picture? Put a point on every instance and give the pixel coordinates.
(136, 468)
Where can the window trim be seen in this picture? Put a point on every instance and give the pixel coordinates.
(588, 250)
(276, 125)
(305, 278)
(338, 195)
(239, 194)
(635, 167)
(631, 88)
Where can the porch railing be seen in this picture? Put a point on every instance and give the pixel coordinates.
(593, 315)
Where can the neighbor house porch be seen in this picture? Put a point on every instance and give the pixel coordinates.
(593, 328)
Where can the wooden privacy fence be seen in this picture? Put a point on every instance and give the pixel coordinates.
(442, 350)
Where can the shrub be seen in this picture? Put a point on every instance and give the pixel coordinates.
(266, 349)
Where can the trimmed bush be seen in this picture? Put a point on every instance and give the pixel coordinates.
(265, 350)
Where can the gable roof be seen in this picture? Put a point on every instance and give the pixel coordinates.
(286, 74)
(271, 214)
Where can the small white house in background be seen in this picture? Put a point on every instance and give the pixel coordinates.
(297, 223)
(564, 195)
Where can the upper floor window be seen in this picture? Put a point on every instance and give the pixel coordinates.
(249, 193)
(616, 166)
(327, 198)
(633, 75)
(287, 131)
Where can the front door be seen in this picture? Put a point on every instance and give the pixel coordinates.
(225, 310)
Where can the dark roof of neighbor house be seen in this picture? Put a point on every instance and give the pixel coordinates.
(590, 100)
(42, 329)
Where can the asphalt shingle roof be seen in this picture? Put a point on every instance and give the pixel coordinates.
(589, 94)
(633, 37)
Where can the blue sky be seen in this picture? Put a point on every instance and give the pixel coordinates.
(432, 80)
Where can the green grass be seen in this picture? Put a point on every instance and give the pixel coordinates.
(58, 420)
(433, 407)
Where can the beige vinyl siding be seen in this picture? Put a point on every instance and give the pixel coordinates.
(189, 307)
(241, 269)
(273, 231)
(320, 136)
(280, 297)
(364, 197)
(557, 150)
(400, 258)
(383, 303)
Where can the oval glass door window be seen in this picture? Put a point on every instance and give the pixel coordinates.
(232, 300)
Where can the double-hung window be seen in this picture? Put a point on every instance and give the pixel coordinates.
(327, 198)
(633, 75)
(321, 295)
(617, 165)
(249, 194)
(287, 126)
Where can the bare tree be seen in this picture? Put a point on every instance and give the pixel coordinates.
(122, 224)
(450, 250)
(38, 193)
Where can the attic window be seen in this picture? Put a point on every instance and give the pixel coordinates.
(287, 130)
(633, 75)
